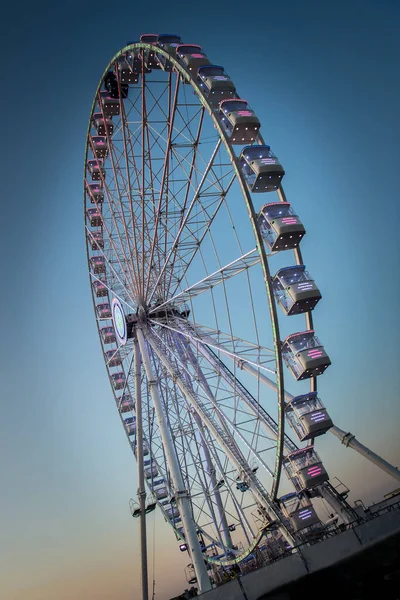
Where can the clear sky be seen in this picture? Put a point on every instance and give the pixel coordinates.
(324, 81)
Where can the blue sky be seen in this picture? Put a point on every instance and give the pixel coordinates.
(324, 81)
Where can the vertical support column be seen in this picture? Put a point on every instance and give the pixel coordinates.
(139, 457)
(181, 494)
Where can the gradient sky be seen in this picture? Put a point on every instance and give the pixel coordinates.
(324, 81)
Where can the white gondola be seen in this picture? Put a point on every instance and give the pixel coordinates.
(129, 68)
(95, 193)
(149, 58)
(145, 448)
(108, 334)
(125, 403)
(192, 57)
(239, 121)
(98, 264)
(295, 290)
(305, 469)
(299, 510)
(99, 146)
(150, 468)
(130, 425)
(161, 493)
(113, 358)
(111, 106)
(96, 240)
(261, 169)
(94, 217)
(304, 355)
(280, 227)
(118, 380)
(215, 84)
(96, 170)
(99, 288)
(173, 513)
(103, 311)
(157, 482)
(102, 124)
(168, 42)
(308, 416)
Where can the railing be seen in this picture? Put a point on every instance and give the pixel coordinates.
(262, 560)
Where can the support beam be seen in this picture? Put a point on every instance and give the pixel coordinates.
(181, 493)
(349, 440)
(139, 456)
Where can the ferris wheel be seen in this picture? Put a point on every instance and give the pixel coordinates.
(203, 306)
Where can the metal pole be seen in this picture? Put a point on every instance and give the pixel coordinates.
(139, 456)
(245, 366)
(181, 493)
(349, 440)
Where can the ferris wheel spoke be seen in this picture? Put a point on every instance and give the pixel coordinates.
(144, 224)
(163, 204)
(148, 176)
(184, 222)
(187, 180)
(222, 342)
(152, 238)
(226, 272)
(205, 215)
